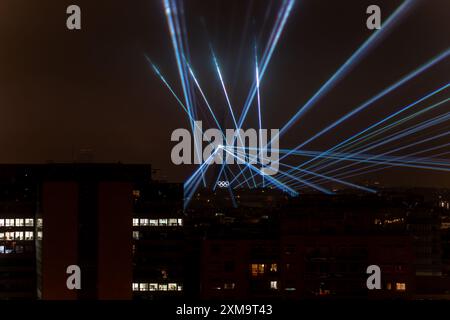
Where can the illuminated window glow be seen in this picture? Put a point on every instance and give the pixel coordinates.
(162, 287)
(143, 287)
(274, 285)
(136, 193)
(229, 286)
(163, 222)
(173, 287)
(400, 286)
(137, 286)
(257, 269)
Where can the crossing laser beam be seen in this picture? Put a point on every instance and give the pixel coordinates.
(351, 62)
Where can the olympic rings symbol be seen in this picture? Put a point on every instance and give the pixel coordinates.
(223, 184)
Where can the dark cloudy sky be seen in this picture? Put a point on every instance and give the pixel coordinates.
(62, 91)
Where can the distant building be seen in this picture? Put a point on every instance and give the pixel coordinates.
(317, 248)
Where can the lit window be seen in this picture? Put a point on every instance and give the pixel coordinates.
(290, 289)
(400, 286)
(2, 222)
(135, 286)
(29, 235)
(180, 222)
(257, 269)
(19, 235)
(274, 285)
(324, 292)
(163, 222)
(153, 286)
(273, 267)
(143, 287)
(180, 287)
(172, 287)
(19, 222)
(39, 235)
(9, 222)
(39, 222)
(9, 235)
(154, 222)
(29, 222)
(136, 193)
(136, 235)
(173, 222)
(2, 249)
(135, 222)
(229, 286)
(2, 236)
(162, 287)
(143, 222)
(389, 286)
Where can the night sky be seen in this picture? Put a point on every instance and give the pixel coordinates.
(62, 91)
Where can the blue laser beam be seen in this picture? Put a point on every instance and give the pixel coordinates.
(331, 179)
(350, 63)
(403, 133)
(230, 191)
(380, 130)
(281, 186)
(178, 50)
(228, 100)
(204, 98)
(282, 18)
(407, 164)
(351, 140)
(315, 186)
(348, 174)
(372, 100)
(352, 157)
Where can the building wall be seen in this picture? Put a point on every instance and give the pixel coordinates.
(294, 267)
(114, 241)
(60, 239)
